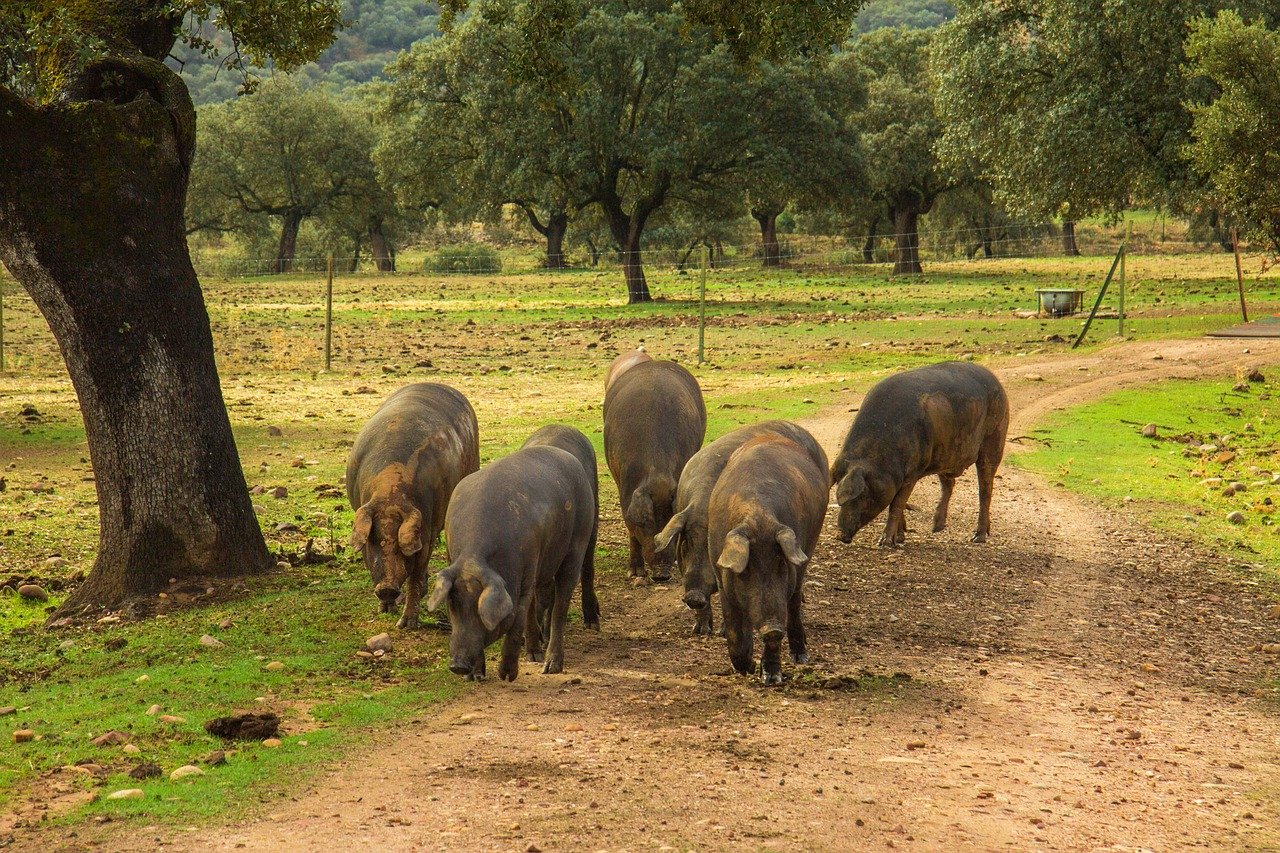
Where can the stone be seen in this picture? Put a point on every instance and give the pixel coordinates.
(1150, 431)
(287, 527)
(274, 431)
(111, 738)
(211, 642)
(131, 749)
(33, 592)
(142, 679)
(279, 492)
(380, 642)
(1223, 457)
(272, 742)
(24, 736)
(186, 771)
(226, 623)
(274, 666)
(216, 758)
(54, 563)
(9, 709)
(172, 719)
(153, 710)
(1236, 517)
(127, 794)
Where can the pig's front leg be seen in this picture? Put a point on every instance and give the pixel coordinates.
(509, 668)
(417, 583)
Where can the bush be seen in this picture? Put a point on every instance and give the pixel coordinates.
(464, 257)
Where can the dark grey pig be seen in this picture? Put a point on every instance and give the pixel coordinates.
(569, 439)
(654, 420)
(939, 420)
(688, 527)
(622, 364)
(401, 473)
(519, 527)
(763, 521)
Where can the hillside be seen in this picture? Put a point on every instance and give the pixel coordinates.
(917, 14)
(377, 30)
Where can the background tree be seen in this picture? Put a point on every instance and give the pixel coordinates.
(1234, 130)
(285, 153)
(900, 133)
(98, 137)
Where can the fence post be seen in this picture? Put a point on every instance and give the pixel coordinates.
(1235, 247)
(1124, 255)
(328, 316)
(1, 325)
(1098, 302)
(702, 306)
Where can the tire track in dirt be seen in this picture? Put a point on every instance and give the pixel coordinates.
(1081, 683)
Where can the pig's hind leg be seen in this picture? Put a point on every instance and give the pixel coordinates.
(566, 580)
(948, 483)
(590, 604)
(795, 627)
(533, 628)
(988, 461)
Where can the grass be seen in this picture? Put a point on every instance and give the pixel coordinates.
(527, 349)
(1169, 481)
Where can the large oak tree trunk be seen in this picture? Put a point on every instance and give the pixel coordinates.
(289, 225)
(906, 233)
(380, 247)
(1069, 247)
(91, 224)
(557, 226)
(869, 245)
(633, 269)
(768, 220)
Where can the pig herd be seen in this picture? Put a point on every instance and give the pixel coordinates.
(740, 516)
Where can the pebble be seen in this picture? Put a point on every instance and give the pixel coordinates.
(211, 642)
(9, 709)
(185, 771)
(533, 727)
(111, 738)
(216, 758)
(284, 566)
(55, 563)
(153, 710)
(274, 666)
(279, 492)
(226, 623)
(146, 770)
(24, 736)
(132, 749)
(1033, 377)
(1236, 517)
(1150, 431)
(574, 727)
(127, 794)
(142, 679)
(380, 642)
(272, 742)
(364, 654)
(1267, 648)
(172, 718)
(31, 592)
(286, 527)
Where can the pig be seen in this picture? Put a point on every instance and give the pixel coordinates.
(654, 420)
(763, 520)
(402, 470)
(622, 364)
(938, 419)
(569, 439)
(687, 529)
(519, 527)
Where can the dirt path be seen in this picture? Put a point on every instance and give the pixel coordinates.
(1079, 684)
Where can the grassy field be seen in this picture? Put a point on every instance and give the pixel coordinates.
(527, 349)
(1209, 436)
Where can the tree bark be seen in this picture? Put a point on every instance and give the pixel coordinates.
(91, 224)
(1069, 247)
(869, 245)
(289, 225)
(380, 248)
(627, 231)
(906, 233)
(557, 227)
(768, 220)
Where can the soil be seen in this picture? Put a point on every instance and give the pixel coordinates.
(1079, 683)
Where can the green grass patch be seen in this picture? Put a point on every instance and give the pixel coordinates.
(1209, 436)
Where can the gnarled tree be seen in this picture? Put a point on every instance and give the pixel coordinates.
(96, 142)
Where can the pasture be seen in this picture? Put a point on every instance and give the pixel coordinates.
(958, 694)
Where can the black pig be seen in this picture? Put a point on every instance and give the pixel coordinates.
(939, 420)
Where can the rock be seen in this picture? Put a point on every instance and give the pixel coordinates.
(226, 623)
(1208, 448)
(172, 719)
(1271, 648)
(279, 492)
(24, 736)
(111, 738)
(153, 710)
(533, 727)
(1273, 613)
(380, 642)
(532, 848)
(9, 709)
(211, 642)
(916, 744)
(1150, 431)
(274, 666)
(287, 527)
(1223, 457)
(364, 654)
(1236, 517)
(54, 563)
(89, 769)
(274, 431)
(186, 771)
(464, 719)
(258, 509)
(573, 727)
(142, 679)
(216, 758)
(146, 770)
(1240, 386)
(1033, 377)
(244, 726)
(1238, 487)
(131, 749)
(272, 742)
(1255, 375)
(284, 566)
(32, 592)
(127, 794)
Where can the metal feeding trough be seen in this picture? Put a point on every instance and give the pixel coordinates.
(1060, 302)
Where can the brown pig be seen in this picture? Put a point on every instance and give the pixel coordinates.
(569, 439)
(517, 529)
(654, 420)
(687, 529)
(763, 521)
(938, 420)
(622, 364)
(401, 473)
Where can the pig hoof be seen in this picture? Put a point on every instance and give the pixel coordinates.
(800, 658)
(939, 526)
(593, 626)
(407, 623)
(553, 667)
(979, 538)
(771, 679)
(701, 630)
(661, 575)
(639, 580)
(536, 657)
(475, 676)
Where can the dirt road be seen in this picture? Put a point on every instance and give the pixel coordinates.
(1079, 684)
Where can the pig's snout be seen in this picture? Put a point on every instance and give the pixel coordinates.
(458, 667)
(471, 671)
(771, 633)
(846, 538)
(695, 599)
(387, 594)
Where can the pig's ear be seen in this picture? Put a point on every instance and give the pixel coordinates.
(851, 488)
(669, 533)
(410, 536)
(737, 548)
(791, 548)
(640, 509)
(838, 470)
(495, 604)
(362, 526)
(444, 583)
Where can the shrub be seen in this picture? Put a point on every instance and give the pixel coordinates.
(464, 257)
